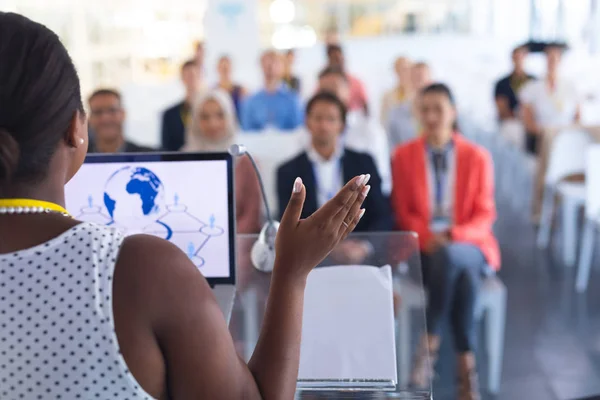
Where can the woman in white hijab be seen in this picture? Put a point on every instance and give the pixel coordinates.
(213, 129)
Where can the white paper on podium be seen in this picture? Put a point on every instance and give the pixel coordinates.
(348, 325)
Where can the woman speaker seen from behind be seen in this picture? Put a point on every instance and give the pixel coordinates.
(87, 313)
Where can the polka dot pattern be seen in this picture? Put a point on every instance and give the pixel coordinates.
(57, 337)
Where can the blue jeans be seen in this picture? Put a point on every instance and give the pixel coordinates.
(452, 277)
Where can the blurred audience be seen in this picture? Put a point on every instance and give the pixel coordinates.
(326, 165)
(506, 92)
(362, 133)
(236, 91)
(106, 120)
(444, 191)
(552, 102)
(291, 80)
(275, 106)
(403, 119)
(358, 94)
(176, 119)
(402, 93)
(213, 129)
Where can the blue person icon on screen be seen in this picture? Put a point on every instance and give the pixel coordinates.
(191, 250)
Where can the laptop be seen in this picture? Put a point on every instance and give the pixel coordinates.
(185, 198)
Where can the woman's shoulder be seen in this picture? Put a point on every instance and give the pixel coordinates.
(150, 258)
(149, 270)
(78, 241)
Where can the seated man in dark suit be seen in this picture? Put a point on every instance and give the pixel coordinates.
(327, 165)
(106, 121)
(176, 119)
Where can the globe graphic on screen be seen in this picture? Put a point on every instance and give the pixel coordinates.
(134, 197)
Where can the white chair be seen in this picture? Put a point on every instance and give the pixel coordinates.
(492, 303)
(567, 157)
(592, 220)
(271, 149)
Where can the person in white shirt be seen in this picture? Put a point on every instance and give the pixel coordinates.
(402, 92)
(362, 133)
(325, 165)
(549, 103)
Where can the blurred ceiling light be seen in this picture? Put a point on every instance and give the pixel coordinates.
(282, 11)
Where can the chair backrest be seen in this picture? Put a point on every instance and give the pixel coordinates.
(592, 178)
(567, 155)
(270, 150)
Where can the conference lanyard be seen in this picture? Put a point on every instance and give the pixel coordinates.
(440, 168)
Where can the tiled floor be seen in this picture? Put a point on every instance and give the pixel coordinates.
(552, 347)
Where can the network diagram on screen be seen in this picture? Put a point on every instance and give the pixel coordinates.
(135, 200)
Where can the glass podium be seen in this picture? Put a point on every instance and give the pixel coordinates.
(399, 250)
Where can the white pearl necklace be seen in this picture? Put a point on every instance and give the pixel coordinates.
(29, 210)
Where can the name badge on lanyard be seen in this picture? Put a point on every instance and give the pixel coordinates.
(440, 221)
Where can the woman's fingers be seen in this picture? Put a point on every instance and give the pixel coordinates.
(343, 200)
(354, 210)
(354, 214)
(348, 230)
(293, 210)
(343, 212)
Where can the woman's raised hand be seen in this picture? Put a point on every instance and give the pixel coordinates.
(303, 243)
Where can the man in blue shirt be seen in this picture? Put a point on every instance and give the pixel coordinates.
(275, 106)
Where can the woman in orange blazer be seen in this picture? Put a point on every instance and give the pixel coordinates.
(444, 191)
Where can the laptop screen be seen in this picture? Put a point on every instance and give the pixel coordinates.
(186, 199)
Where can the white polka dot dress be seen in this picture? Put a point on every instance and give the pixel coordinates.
(57, 335)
